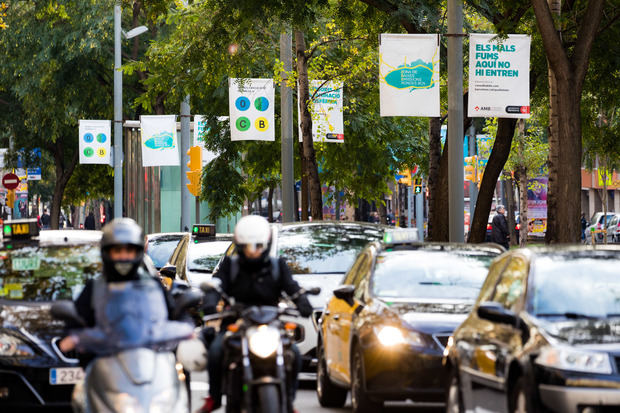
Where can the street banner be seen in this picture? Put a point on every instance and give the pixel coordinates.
(251, 106)
(94, 142)
(159, 140)
(326, 111)
(537, 206)
(200, 128)
(499, 76)
(409, 75)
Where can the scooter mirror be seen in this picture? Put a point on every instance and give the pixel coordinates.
(214, 284)
(65, 310)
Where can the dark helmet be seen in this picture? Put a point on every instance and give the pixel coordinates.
(121, 232)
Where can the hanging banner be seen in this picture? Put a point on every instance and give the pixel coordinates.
(409, 75)
(94, 143)
(159, 140)
(200, 127)
(326, 111)
(537, 206)
(499, 76)
(251, 105)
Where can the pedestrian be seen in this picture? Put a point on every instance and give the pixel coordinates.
(89, 222)
(499, 225)
(584, 225)
(61, 221)
(45, 220)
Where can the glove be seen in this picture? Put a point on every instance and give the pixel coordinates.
(304, 306)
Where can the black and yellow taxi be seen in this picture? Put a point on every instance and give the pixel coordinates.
(543, 336)
(36, 270)
(196, 255)
(383, 332)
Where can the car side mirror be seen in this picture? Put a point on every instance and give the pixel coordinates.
(65, 310)
(345, 293)
(496, 313)
(169, 271)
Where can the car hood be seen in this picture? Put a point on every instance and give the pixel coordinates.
(327, 282)
(432, 317)
(584, 332)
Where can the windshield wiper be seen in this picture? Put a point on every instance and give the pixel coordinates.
(569, 314)
(207, 270)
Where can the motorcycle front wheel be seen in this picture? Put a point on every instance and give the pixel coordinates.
(268, 399)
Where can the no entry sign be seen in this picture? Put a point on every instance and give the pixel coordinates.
(10, 181)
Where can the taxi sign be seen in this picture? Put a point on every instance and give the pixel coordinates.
(203, 230)
(402, 236)
(20, 229)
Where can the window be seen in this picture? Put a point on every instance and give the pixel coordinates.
(497, 267)
(509, 290)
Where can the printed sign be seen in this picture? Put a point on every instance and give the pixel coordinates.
(251, 106)
(537, 206)
(159, 140)
(499, 76)
(409, 75)
(95, 137)
(326, 111)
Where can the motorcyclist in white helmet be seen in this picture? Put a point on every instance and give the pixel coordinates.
(252, 277)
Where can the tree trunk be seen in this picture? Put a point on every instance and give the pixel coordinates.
(435, 227)
(382, 210)
(509, 193)
(314, 183)
(304, 184)
(497, 160)
(523, 216)
(64, 171)
(566, 85)
(270, 204)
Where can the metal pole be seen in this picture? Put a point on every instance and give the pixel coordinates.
(186, 197)
(473, 187)
(118, 115)
(286, 105)
(410, 204)
(419, 213)
(455, 121)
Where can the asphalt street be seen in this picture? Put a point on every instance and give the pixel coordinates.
(306, 399)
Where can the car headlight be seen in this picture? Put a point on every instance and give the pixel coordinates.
(263, 340)
(12, 346)
(391, 336)
(569, 358)
(125, 403)
(163, 402)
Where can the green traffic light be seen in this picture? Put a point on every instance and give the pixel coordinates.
(7, 230)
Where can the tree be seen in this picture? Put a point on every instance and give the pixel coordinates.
(568, 54)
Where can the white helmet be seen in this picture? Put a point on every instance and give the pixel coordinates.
(253, 232)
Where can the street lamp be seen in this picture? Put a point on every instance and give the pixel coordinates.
(118, 106)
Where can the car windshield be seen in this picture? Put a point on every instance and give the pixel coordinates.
(415, 274)
(47, 273)
(161, 248)
(573, 287)
(204, 256)
(324, 249)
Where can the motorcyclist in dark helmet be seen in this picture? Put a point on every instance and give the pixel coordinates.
(126, 307)
(251, 277)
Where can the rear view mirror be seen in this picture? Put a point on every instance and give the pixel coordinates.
(345, 293)
(65, 310)
(496, 313)
(169, 271)
(188, 299)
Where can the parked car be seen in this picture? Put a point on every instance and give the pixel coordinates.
(542, 336)
(36, 270)
(597, 223)
(384, 330)
(613, 230)
(161, 245)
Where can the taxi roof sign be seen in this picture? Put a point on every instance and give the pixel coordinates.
(401, 236)
(203, 230)
(20, 229)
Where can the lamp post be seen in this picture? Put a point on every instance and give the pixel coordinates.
(118, 107)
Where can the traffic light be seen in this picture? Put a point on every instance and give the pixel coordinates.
(406, 179)
(10, 198)
(417, 186)
(470, 168)
(195, 169)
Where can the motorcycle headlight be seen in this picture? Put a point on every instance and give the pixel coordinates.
(125, 403)
(569, 358)
(163, 402)
(263, 340)
(11, 346)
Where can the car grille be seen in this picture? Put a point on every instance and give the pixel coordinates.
(441, 340)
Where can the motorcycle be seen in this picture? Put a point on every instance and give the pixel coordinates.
(258, 358)
(145, 379)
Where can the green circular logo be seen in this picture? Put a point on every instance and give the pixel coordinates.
(88, 152)
(243, 123)
(261, 103)
(101, 138)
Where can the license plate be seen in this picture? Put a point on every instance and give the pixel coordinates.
(66, 375)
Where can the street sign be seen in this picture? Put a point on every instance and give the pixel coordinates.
(10, 181)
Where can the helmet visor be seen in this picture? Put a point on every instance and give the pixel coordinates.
(252, 250)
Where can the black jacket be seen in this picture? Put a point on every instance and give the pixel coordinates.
(89, 222)
(499, 233)
(256, 285)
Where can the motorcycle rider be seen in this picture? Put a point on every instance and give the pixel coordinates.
(126, 307)
(251, 278)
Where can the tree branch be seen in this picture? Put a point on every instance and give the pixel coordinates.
(551, 41)
(585, 38)
(311, 53)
